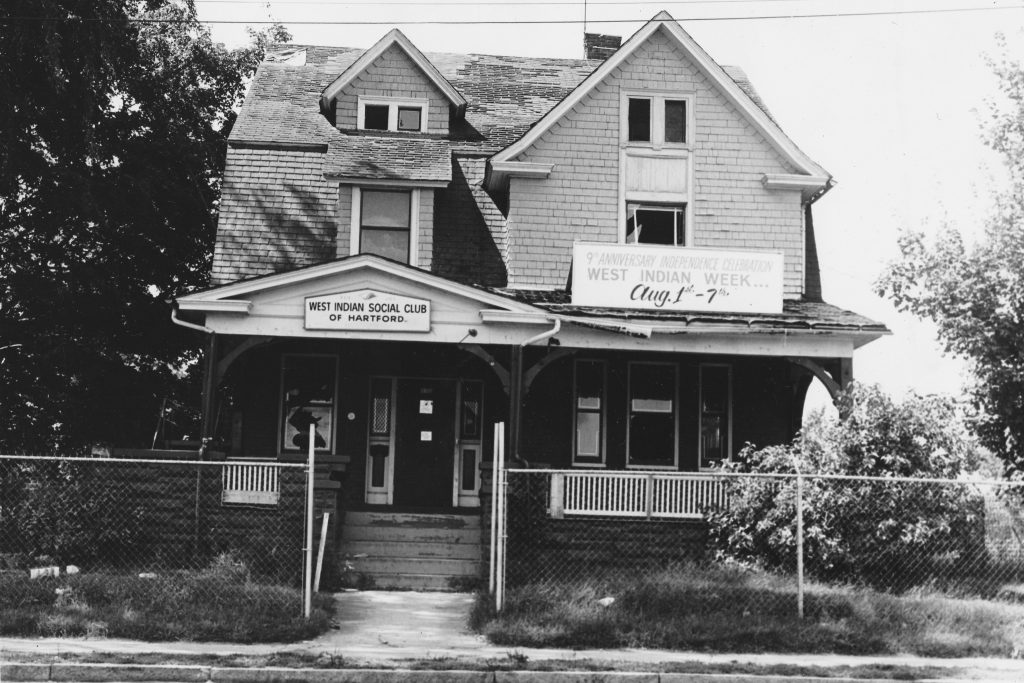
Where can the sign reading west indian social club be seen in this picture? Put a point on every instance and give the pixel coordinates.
(367, 309)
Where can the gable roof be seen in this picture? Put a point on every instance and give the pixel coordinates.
(750, 107)
(226, 297)
(506, 95)
(393, 38)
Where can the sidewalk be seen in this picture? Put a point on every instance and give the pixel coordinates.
(394, 629)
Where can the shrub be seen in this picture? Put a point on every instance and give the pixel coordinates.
(858, 530)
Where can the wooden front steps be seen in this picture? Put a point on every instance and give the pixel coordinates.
(413, 551)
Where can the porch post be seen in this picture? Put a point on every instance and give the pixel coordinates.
(209, 388)
(515, 399)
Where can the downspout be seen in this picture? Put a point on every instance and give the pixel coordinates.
(515, 394)
(207, 402)
(184, 323)
(208, 379)
(543, 336)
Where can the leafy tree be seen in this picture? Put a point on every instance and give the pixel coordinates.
(113, 127)
(855, 529)
(975, 292)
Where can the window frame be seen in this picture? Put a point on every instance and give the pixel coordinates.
(333, 435)
(658, 98)
(393, 104)
(356, 223)
(602, 413)
(630, 465)
(679, 208)
(700, 414)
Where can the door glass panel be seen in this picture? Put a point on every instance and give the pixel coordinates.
(471, 401)
(378, 464)
(380, 420)
(469, 466)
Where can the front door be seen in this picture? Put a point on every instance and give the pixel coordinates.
(425, 442)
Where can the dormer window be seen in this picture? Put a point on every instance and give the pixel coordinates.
(394, 114)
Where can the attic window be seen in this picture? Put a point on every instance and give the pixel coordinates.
(375, 117)
(639, 120)
(385, 113)
(657, 120)
(409, 118)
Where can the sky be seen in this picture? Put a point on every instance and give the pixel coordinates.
(892, 106)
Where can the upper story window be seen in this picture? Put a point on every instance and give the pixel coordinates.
(657, 120)
(387, 113)
(385, 223)
(656, 224)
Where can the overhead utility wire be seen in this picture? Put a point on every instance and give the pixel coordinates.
(468, 22)
(477, 3)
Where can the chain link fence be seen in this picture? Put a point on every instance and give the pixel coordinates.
(782, 536)
(112, 538)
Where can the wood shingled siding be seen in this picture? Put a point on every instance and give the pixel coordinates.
(579, 201)
(393, 74)
(271, 221)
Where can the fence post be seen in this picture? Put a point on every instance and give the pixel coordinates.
(308, 584)
(800, 545)
(556, 504)
(498, 438)
(499, 593)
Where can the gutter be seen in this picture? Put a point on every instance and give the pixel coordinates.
(184, 323)
(547, 334)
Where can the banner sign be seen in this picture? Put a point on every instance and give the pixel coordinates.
(663, 278)
(367, 309)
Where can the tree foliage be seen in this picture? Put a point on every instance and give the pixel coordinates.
(112, 141)
(975, 292)
(857, 530)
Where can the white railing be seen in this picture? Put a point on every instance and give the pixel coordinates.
(634, 494)
(251, 485)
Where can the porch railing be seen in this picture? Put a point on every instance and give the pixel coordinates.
(634, 494)
(251, 485)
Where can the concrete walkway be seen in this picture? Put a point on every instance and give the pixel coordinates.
(389, 628)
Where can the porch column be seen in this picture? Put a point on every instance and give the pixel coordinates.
(515, 399)
(209, 387)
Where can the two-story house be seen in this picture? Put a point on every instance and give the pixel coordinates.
(613, 256)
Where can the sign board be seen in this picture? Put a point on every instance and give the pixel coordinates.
(367, 309)
(664, 278)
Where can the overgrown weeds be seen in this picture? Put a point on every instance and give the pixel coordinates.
(221, 603)
(725, 609)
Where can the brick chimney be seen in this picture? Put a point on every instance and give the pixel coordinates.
(598, 46)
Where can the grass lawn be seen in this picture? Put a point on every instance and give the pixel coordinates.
(716, 609)
(178, 606)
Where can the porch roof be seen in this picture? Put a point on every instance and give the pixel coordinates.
(800, 314)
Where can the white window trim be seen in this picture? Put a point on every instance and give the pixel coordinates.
(670, 206)
(657, 99)
(332, 447)
(414, 221)
(700, 415)
(675, 416)
(393, 103)
(657, 148)
(603, 462)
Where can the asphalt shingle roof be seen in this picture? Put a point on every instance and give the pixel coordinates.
(389, 157)
(796, 314)
(506, 95)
